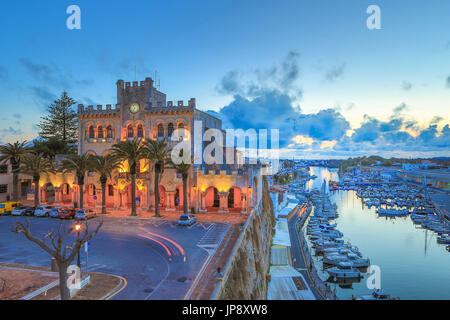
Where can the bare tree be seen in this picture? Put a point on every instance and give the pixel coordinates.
(57, 249)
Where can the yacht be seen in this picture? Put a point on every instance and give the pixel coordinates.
(344, 270)
(378, 294)
(392, 212)
(357, 261)
(443, 239)
(334, 258)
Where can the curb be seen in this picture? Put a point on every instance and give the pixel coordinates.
(122, 284)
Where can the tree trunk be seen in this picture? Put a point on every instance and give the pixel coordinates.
(63, 288)
(81, 187)
(133, 194)
(103, 182)
(15, 185)
(185, 208)
(36, 190)
(157, 192)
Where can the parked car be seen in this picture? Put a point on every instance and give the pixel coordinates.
(7, 207)
(187, 220)
(67, 213)
(83, 214)
(29, 211)
(54, 213)
(42, 211)
(19, 211)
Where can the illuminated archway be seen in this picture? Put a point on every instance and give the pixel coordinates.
(212, 199)
(49, 193)
(162, 196)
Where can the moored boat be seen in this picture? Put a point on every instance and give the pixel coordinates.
(344, 270)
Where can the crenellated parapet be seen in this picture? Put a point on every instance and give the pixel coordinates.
(98, 110)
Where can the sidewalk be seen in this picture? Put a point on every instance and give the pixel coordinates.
(17, 281)
(206, 285)
(228, 218)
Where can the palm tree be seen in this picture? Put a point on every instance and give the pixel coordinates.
(157, 153)
(35, 164)
(183, 169)
(14, 153)
(80, 165)
(131, 151)
(104, 166)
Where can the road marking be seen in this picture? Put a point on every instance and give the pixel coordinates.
(194, 283)
(167, 275)
(123, 287)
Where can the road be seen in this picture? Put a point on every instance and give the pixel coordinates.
(297, 254)
(159, 259)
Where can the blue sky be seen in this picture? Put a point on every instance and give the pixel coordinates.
(310, 68)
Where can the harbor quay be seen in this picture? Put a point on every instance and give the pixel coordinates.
(337, 247)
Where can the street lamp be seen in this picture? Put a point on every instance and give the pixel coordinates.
(77, 228)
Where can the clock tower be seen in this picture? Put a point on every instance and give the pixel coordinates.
(136, 99)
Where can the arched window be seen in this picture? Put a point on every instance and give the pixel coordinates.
(91, 132)
(100, 132)
(170, 129)
(160, 131)
(140, 131)
(109, 132)
(130, 131)
(181, 125)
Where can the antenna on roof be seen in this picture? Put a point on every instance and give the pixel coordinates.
(134, 72)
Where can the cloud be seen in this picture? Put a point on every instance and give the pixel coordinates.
(290, 70)
(406, 85)
(53, 77)
(301, 139)
(17, 116)
(229, 83)
(43, 95)
(350, 106)
(11, 131)
(282, 78)
(436, 119)
(328, 144)
(335, 72)
(448, 82)
(399, 109)
(268, 100)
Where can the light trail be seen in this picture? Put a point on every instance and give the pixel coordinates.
(157, 241)
(170, 240)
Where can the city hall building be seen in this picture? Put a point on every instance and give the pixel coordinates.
(142, 112)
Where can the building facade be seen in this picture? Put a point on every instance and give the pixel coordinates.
(142, 112)
(6, 184)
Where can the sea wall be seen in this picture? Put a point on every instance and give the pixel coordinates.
(245, 276)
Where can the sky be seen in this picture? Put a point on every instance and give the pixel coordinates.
(311, 69)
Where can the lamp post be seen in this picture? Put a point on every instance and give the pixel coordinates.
(77, 228)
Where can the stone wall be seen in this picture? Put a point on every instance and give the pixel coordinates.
(245, 276)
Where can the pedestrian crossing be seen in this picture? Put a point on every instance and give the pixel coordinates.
(213, 236)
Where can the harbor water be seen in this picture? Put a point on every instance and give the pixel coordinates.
(412, 264)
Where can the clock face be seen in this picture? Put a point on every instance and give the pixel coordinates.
(134, 108)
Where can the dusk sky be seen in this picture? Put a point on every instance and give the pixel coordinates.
(313, 69)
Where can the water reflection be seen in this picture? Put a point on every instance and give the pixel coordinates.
(413, 265)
